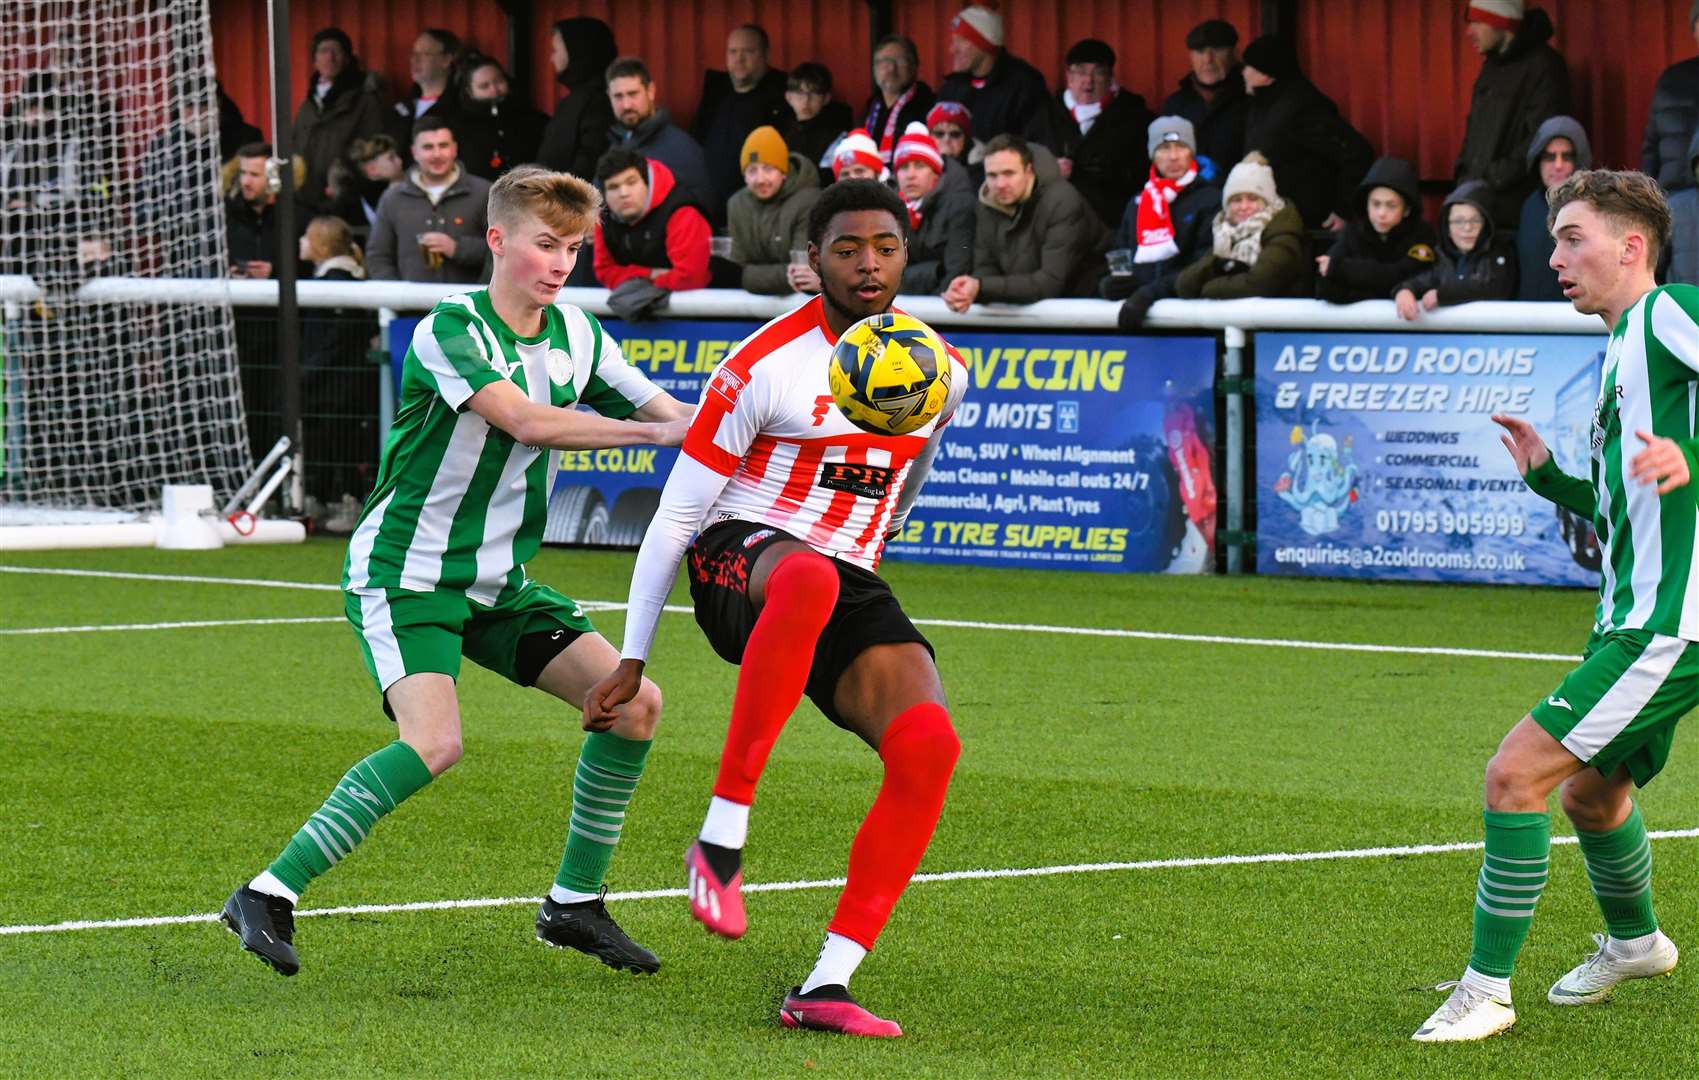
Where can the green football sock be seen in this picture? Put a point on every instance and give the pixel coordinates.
(370, 790)
(1513, 872)
(608, 770)
(1619, 864)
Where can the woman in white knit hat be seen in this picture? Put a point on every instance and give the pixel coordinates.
(1259, 249)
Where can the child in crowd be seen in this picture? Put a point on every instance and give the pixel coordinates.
(1475, 262)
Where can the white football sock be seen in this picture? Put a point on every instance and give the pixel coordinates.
(568, 896)
(1493, 986)
(839, 958)
(1633, 948)
(267, 883)
(727, 823)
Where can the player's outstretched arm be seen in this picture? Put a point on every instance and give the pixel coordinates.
(1534, 461)
(505, 407)
(662, 408)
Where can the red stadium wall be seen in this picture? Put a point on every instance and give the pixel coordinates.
(1401, 71)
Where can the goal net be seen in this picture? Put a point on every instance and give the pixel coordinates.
(110, 167)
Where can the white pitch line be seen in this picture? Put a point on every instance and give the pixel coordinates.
(962, 624)
(834, 883)
(197, 624)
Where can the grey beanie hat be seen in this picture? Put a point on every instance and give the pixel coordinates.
(1175, 129)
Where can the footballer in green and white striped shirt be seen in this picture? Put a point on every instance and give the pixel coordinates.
(1608, 726)
(436, 567)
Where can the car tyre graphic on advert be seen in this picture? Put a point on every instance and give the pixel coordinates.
(577, 515)
(631, 514)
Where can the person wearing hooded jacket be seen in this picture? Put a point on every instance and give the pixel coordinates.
(577, 134)
(645, 127)
(1389, 244)
(1522, 81)
(1684, 224)
(341, 105)
(1475, 262)
(1673, 119)
(1259, 245)
(1317, 156)
(1559, 148)
(496, 133)
(768, 217)
(652, 230)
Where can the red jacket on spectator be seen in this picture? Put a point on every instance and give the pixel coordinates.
(670, 233)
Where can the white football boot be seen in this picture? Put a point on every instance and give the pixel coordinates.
(1467, 1015)
(1592, 981)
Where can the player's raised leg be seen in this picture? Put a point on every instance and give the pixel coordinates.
(1619, 866)
(610, 764)
(427, 717)
(793, 588)
(1520, 777)
(892, 697)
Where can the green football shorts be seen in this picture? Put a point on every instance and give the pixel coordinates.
(404, 632)
(1620, 707)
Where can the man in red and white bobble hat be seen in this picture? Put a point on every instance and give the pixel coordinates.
(1522, 81)
(857, 157)
(940, 202)
(1005, 93)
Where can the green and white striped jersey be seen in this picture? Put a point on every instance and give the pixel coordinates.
(1650, 543)
(458, 503)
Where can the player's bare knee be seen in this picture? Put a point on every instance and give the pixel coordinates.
(1590, 809)
(439, 753)
(1510, 785)
(640, 716)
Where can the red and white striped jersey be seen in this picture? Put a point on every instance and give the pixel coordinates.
(768, 446)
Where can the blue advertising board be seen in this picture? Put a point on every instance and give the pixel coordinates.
(1069, 451)
(1377, 456)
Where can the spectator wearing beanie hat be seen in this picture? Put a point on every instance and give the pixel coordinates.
(1034, 236)
(341, 105)
(950, 123)
(1388, 244)
(1258, 245)
(1317, 156)
(857, 157)
(1102, 127)
(1673, 118)
(940, 213)
(1559, 149)
(1522, 81)
(1167, 226)
(1475, 261)
(1212, 96)
(1005, 93)
(768, 217)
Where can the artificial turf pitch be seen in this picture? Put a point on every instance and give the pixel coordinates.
(148, 771)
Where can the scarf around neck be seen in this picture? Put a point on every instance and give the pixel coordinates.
(1155, 223)
(1086, 115)
(1242, 243)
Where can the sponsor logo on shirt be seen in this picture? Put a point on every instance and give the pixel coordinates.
(868, 481)
(728, 384)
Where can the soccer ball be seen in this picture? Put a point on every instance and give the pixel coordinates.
(889, 374)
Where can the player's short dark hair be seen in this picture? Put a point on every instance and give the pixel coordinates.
(617, 160)
(1010, 141)
(810, 74)
(432, 123)
(254, 150)
(627, 67)
(1630, 199)
(848, 196)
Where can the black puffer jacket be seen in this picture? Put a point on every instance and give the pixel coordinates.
(1317, 156)
(577, 134)
(1219, 121)
(1673, 120)
(1014, 99)
(1514, 93)
(1110, 163)
(1193, 214)
(495, 137)
(1486, 273)
(1365, 265)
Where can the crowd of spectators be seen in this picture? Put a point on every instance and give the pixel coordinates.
(1247, 180)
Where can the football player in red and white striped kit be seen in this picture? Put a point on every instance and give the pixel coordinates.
(794, 504)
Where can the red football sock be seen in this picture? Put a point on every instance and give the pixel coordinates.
(801, 592)
(919, 750)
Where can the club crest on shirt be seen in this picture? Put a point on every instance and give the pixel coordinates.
(559, 365)
(1421, 253)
